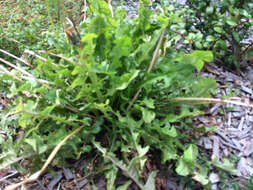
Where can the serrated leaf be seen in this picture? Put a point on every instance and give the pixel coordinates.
(169, 130)
(51, 95)
(32, 142)
(97, 125)
(197, 58)
(149, 103)
(8, 158)
(129, 170)
(30, 106)
(24, 120)
(201, 176)
(142, 151)
(20, 107)
(191, 154)
(125, 186)
(150, 184)
(88, 40)
(204, 88)
(226, 165)
(182, 168)
(201, 179)
(48, 109)
(110, 177)
(145, 48)
(100, 7)
(171, 118)
(147, 115)
(168, 155)
(122, 82)
(123, 47)
(126, 79)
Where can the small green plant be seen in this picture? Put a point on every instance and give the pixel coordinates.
(117, 85)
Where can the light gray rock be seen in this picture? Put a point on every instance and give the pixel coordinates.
(207, 143)
(248, 149)
(214, 177)
(243, 168)
(182, 2)
(246, 89)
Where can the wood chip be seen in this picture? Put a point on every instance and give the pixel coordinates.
(240, 126)
(229, 119)
(246, 89)
(248, 149)
(216, 146)
(214, 177)
(207, 143)
(83, 183)
(68, 174)
(214, 108)
(237, 144)
(54, 181)
(243, 168)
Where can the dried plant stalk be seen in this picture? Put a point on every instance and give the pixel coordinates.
(211, 101)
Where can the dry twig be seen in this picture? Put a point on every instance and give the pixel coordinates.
(211, 101)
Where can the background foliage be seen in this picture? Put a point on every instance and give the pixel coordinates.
(221, 26)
